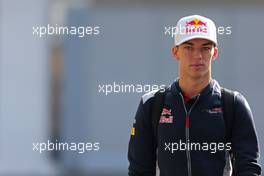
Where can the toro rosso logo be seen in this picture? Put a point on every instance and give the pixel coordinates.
(214, 110)
(196, 26)
(166, 116)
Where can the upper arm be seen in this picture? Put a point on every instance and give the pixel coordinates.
(142, 145)
(244, 138)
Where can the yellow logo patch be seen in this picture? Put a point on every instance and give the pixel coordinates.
(133, 131)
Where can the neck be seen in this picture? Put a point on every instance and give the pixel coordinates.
(192, 87)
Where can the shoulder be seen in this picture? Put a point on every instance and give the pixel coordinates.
(147, 97)
(239, 100)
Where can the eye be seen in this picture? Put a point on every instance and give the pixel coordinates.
(188, 47)
(206, 48)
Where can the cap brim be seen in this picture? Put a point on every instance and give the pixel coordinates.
(194, 37)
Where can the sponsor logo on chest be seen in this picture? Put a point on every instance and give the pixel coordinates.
(166, 116)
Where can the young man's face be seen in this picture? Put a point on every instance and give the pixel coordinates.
(195, 57)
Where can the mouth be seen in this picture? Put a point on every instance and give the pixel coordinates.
(197, 65)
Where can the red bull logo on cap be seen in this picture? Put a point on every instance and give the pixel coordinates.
(196, 26)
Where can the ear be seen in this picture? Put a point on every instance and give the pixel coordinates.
(215, 53)
(174, 52)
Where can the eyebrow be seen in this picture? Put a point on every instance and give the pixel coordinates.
(188, 43)
(208, 43)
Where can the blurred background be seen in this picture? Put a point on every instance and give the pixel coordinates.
(49, 85)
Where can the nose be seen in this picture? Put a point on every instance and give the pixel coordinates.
(197, 53)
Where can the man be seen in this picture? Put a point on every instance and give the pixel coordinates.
(191, 131)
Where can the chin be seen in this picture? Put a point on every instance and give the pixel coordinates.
(198, 75)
